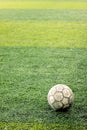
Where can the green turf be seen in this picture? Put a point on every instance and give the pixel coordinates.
(43, 5)
(44, 0)
(35, 126)
(44, 15)
(28, 73)
(54, 34)
(38, 49)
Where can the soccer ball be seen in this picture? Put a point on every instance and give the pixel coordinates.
(60, 97)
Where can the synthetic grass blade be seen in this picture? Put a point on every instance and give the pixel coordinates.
(43, 34)
(43, 5)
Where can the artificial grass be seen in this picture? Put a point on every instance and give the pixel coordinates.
(43, 5)
(27, 74)
(35, 126)
(44, 0)
(38, 49)
(43, 15)
(51, 34)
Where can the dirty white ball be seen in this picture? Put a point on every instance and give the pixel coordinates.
(60, 96)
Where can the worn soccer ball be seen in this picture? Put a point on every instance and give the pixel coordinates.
(60, 96)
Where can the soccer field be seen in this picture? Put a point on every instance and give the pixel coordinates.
(42, 45)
